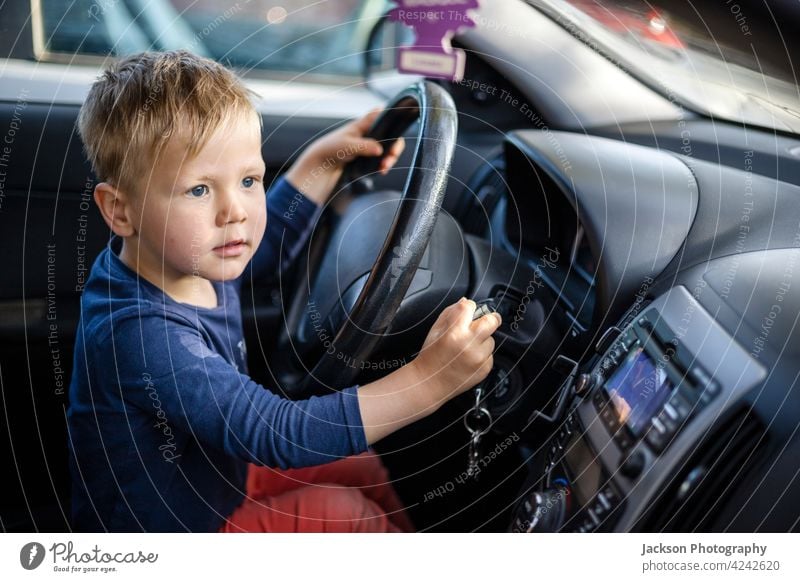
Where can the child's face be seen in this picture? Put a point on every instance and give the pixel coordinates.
(203, 216)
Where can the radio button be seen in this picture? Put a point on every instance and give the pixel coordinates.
(554, 453)
(623, 439)
(700, 376)
(610, 494)
(609, 418)
(603, 500)
(563, 437)
(682, 407)
(628, 339)
(710, 391)
(670, 411)
(599, 510)
(570, 424)
(657, 439)
(670, 426)
(599, 399)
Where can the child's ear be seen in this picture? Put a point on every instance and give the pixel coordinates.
(116, 209)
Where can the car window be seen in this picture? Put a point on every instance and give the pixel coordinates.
(281, 37)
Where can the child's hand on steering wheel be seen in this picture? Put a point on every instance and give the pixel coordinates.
(320, 166)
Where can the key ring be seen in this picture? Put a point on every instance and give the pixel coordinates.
(481, 414)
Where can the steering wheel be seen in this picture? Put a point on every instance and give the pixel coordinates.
(337, 320)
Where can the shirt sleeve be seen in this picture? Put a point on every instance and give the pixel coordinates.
(160, 361)
(289, 218)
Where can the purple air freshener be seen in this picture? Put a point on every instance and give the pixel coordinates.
(435, 22)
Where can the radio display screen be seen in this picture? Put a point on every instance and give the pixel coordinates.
(638, 389)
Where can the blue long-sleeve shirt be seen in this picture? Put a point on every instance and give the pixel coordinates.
(163, 418)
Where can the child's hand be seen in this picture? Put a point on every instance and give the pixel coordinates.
(319, 167)
(457, 354)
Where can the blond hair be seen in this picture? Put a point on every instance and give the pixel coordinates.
(140, 101)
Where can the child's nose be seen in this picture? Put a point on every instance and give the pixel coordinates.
(231, 209)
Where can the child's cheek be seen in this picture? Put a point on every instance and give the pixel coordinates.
(258, 228)
(261, 221)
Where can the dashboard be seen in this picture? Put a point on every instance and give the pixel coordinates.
(670, 281)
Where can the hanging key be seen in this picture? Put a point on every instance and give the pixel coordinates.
(478, 421)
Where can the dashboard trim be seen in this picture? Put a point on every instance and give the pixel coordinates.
(637, 205)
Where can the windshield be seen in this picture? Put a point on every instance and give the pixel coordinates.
(727, 59)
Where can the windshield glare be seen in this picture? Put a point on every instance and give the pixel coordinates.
(729, 59)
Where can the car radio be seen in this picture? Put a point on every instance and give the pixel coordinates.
(650, 385)
(640, 409)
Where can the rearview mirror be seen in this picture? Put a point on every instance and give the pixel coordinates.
(380, 58)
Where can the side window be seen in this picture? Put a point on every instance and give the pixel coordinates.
(283, 38)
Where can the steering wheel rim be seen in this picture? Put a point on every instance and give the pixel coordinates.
(412, 227)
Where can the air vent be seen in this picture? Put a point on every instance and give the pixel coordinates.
(696, 496)
(485, 188)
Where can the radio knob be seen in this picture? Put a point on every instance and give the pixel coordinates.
(633, 465)
(584, 384)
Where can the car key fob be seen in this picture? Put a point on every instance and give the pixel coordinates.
(484, 307)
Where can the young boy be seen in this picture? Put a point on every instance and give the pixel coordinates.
(167, 431)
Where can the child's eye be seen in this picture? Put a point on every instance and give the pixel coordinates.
(198, 191)
(248, 182)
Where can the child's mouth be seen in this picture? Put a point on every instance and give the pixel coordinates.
(233, 248)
